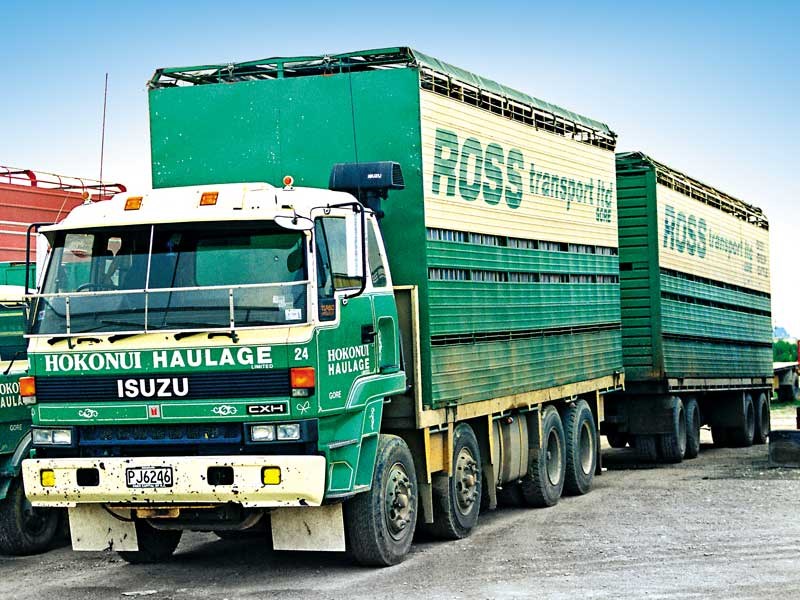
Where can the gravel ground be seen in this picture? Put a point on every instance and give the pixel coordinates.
(721, 526)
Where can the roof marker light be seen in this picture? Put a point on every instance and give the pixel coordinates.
(133, 203)
(209, 198)
(288, 182)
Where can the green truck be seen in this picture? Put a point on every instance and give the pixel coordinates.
(23, 528)
(423, 315)
(696, 315)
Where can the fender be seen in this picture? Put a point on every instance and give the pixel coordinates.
(12, 466)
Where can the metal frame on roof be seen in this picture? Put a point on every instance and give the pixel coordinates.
(435, 75)
(688, 186)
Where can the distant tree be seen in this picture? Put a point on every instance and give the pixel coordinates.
(783, 351)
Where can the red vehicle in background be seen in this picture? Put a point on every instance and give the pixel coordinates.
(28, 196)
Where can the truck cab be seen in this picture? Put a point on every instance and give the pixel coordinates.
(202, 356)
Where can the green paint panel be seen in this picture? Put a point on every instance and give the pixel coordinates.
(677, 325)
(469, 372)
(459, 307)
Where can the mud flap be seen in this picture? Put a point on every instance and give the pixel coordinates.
(314, 528)
(93, 528)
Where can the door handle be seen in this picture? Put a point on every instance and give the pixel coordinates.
(367, 334)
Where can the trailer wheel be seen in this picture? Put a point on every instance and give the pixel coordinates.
(741, 436)
(646, 447)
(457, 499)
(380, 523)
(155, 545)
(25, 529)
(617, 439)
(673, 444)
(581, 438)
(762, 425)
(543, 484)
(693, 423)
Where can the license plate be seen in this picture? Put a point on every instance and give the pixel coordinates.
(148, 477)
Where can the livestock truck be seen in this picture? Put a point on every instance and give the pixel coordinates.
(26, 197)
(225, 354)
(696, 326)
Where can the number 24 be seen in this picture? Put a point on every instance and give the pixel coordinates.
(301, 353)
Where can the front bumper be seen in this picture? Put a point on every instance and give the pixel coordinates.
(302, 481)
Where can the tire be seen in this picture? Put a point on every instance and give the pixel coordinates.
(673, 444)
(721, 436)
(581, 439)
(646, 447)
(25, 529)
(155, 545)
(693, 423)
(547, 466)
(741, 436)
(762, 424)
(380, 523)
(617, 439)
(457, 499)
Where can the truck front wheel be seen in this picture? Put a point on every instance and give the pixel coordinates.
(155, 545)
(380, 523)
(25, 529)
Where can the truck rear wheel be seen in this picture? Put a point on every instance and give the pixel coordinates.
(25, 529)
(581, 438)
(741, 436)
(543, 484)
(762, 425)
(673, 444)
(380, 523)
(646, 447)
(457, 499)
(693, 422)
(155, 545)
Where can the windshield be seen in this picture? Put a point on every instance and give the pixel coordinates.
(173, 277)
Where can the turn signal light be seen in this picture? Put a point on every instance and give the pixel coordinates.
(133, 203)
(302, 378)
(209, 198)
(27, 387)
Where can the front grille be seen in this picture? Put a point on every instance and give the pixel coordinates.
(233, 384)
(124, 435)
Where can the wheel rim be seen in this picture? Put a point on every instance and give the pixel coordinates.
(586, 448)
(682, 430)
(466, 481)
(764, 420)
(34, 521)
(399, 497)
(553, 458)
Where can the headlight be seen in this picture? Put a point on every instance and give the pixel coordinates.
(262, 433)
(289, 431)
(52, 437)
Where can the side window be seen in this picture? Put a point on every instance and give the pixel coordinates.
(376, 266)
(327, 303)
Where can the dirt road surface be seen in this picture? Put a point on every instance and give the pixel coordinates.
(720, 526)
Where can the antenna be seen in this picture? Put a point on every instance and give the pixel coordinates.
(103, 131)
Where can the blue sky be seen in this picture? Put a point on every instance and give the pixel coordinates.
(710, 88)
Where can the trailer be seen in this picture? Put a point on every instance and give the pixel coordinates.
(329, 364)
(696, 315)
